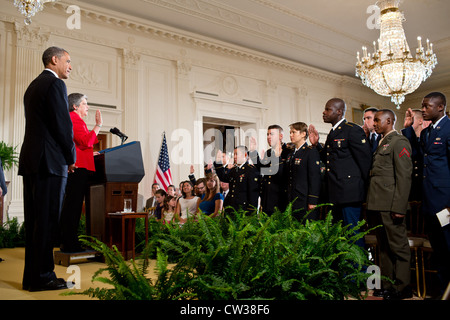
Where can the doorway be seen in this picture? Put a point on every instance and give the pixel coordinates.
(225, 134)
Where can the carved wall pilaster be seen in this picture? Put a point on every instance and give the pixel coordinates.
(30, 44)
(130, 110)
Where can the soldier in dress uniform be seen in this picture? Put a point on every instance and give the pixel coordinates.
(243, 181)
(347, 157)
(302, 174)
(435, 151)
(413, 126)
(271, 168)
(387, 202)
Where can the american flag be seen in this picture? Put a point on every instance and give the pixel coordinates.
(163, 175)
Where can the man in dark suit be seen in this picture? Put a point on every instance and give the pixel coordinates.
(372, 136)
(387, 201)
(435, 148)
(347, 158)
(151, 202)
(302, 174)
(271, 166)
(46, 157)
(243, 181)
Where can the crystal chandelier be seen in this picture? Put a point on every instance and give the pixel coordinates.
(30, 7)
(392, 70)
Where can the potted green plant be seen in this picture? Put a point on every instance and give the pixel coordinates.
(8, 155)
(9, 158)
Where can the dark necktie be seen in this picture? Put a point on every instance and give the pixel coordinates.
(429, 131)
(373, 142)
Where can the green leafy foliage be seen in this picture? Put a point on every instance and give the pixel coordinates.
(242, 256)
(12, 234)
(8, 155)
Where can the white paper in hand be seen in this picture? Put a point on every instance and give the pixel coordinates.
(444, 217)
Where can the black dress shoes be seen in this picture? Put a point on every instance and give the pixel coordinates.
(380, 292)
(57, 284)
(399, 295)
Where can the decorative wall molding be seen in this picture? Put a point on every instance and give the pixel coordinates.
(31, 37)
(221, 13)
(144, 28)
(131, 57)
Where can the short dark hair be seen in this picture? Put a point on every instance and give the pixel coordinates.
(300, 126)
(275, 126)
(161, 192)
(417, 112)
(242, 149)
(437, 95)
(373, 109)
(200, 180)
(391, 114)
(75, 100)
(49, 53)
(339, 104)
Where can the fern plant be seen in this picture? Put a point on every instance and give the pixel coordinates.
(241, 256)
(8, 155)
(12, 234)
(128, 280)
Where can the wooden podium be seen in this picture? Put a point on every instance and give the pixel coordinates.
(118, 173)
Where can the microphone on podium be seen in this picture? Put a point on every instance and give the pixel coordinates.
(117, 132)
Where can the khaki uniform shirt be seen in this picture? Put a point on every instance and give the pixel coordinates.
(390, 176)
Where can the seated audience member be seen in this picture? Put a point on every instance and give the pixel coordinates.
(224, 188)
(151, 202)
(168, 209)
(171, 190)
(200, 187)
(187, 204)
(212, 202)
(160, 195)
(178, 193)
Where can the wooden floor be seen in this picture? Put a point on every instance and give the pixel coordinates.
(11, 271)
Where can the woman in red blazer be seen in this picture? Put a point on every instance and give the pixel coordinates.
(77, 181)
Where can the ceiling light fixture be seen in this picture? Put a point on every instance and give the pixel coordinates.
(30, 7)
(392, 70)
